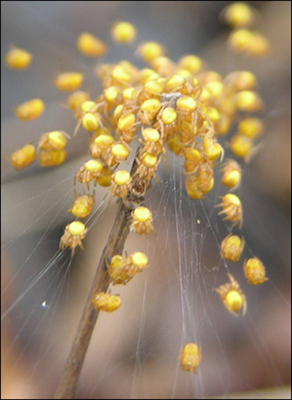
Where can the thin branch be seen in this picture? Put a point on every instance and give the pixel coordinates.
(115, 245)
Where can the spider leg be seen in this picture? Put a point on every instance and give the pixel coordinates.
(77, 128)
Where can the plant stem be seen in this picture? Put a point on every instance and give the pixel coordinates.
(115, 245)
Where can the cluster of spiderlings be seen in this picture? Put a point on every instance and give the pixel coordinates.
(181, 106)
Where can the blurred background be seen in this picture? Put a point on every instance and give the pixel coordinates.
(134, 353)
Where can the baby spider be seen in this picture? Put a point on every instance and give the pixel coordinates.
(51, 158)
(191, 63)
(193, 187)
(135, 263)
(212, 120)
(151, 50)
(167, 121)
(101, 145)
(55, 140)
(130, 97)
(248, 101)
(142, 221)
(163, 66)
(152, 143)
(91, 121)
(118, 76)
(100, 131)
(215, 89)
(186, 105)
(73, 236)
(106, 302)
(90, 45)
(224, 125)
(242, 146)
(206, 177)
(124, 32)
(152, 89)
(105, 178)
(249, 42)
(148, 111)
(82, 206)
(202, 182)
(23, 157)
(190, 357)
(232, 174)
(147, 166)
(175, 145)
(119, 111)
(126, 127)
(88, 116)
(192, 159)
(232, 208)
(147, 75)
(232, 296)
(121, 182)
(76, 99)
(69, 81)
(189, 130)
(177, 83)
(232, 247)
(117, 272)
(212, 148)
(122, 270)
(118, 153)
(88, 172)
(30, 110)
(18, 58)
(239, 15)
(241, 80)
(255, 271)
(111, 97)
(251, 127)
